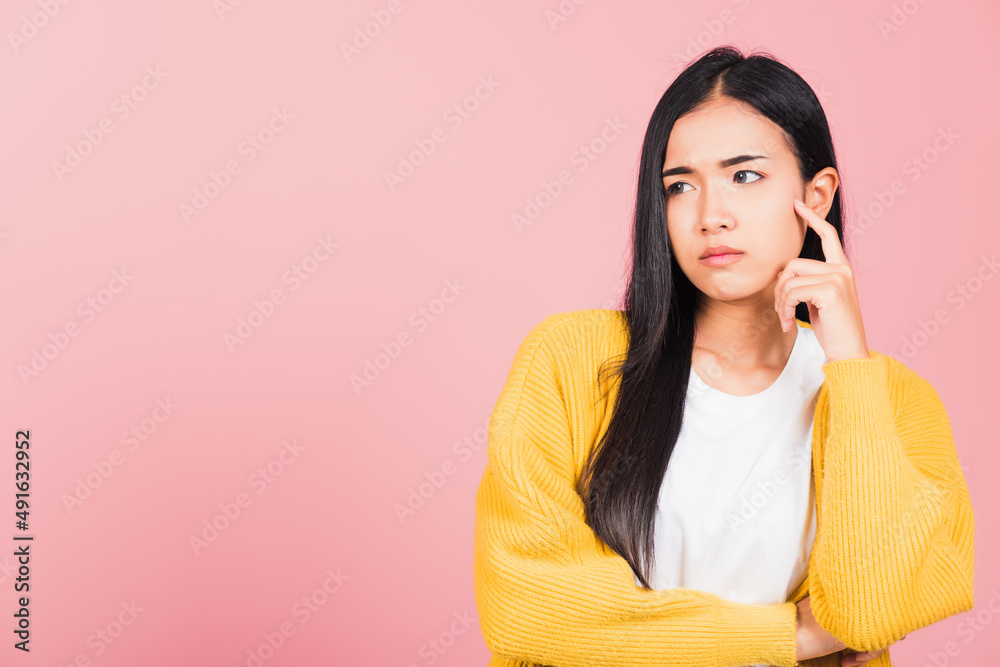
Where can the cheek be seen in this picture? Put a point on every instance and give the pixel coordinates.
(680, 220)
(778, 240)
(770, 216)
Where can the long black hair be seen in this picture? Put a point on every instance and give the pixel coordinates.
(621, 481)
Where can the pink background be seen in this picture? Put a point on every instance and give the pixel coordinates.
(441, 242)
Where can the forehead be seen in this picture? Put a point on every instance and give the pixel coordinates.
(722, 129)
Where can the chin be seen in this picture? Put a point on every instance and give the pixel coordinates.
(737, 289)
(727, 294)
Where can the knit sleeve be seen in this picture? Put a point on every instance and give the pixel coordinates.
(894, 550)
(548, 590)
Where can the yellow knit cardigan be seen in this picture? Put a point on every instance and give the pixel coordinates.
(894, 541)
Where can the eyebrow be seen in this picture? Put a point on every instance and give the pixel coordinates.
(728, 162)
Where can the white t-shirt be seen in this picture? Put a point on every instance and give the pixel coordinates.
(737, 509)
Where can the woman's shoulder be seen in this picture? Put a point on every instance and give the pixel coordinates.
(555, 367)
(575, 320)
(578, 334)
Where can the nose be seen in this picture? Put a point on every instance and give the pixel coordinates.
(714, 213)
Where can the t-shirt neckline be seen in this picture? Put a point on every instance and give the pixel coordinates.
(764, 393)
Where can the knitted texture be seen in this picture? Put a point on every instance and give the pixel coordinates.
(893, 550)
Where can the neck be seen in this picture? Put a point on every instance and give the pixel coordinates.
(747, 334)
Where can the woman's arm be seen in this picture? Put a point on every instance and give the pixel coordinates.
(547, 589)
(894, 550)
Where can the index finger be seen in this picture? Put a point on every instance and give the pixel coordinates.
(832, 249)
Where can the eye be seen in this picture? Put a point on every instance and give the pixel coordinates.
(672, 191)
(746, 171)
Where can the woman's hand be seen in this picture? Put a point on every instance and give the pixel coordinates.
(854, 659)
(827, 288)
(812, 641)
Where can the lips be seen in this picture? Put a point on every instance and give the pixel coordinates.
(720, 250)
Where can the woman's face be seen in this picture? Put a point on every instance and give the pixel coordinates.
(731, 178)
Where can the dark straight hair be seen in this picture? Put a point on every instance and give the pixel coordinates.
(620, 482)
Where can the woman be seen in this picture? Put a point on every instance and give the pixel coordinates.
(813, 508)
